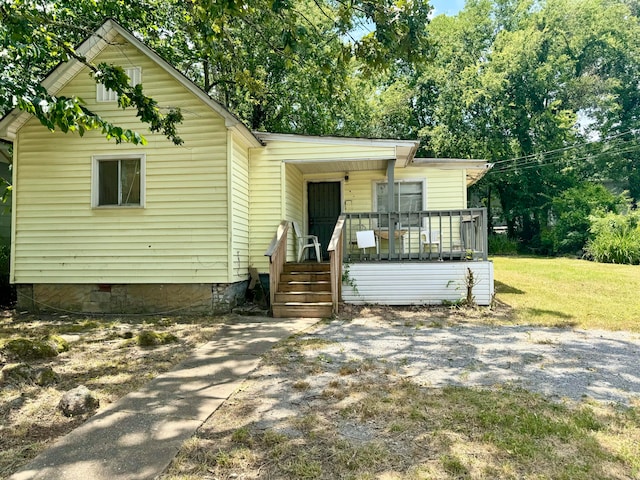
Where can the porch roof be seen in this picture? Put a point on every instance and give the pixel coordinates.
(475, 168)
(375, 154)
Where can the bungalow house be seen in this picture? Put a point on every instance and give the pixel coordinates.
(100, 227)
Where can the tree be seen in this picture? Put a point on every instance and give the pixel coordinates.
(282, 65)
(569, 229)
(530, 86)
(34, 38)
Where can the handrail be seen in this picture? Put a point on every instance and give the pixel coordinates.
(459, 234)
(277, 253)
(335, 260)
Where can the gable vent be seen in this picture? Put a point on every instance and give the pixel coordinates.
(106, 95)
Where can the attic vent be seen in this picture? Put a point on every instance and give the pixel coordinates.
(105, 95)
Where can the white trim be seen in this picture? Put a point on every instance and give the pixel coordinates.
(460, 162)
(14, 217)
(230, 206)
(298, 161)
(95, 159)
(328, 140)
(404, 150)
(90, 49)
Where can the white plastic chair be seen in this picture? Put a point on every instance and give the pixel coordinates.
(305, 242)
(430, 238)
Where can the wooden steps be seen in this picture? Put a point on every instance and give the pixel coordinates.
(304, 290)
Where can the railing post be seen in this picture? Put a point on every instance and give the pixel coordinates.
(277, 253)
(335, 261)
(485, 234)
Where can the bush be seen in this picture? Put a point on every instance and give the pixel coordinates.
(569, 228)
(501, 244)
(616, 238)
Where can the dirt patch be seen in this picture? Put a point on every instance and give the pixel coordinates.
(103, 354)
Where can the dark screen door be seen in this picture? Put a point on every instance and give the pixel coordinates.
(324, 210)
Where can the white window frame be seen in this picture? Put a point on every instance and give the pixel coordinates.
(104, 95)
(374, 190)
(95, 180)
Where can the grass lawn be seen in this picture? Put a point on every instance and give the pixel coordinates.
(568, 292)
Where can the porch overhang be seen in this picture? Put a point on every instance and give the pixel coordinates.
(370, 154)
(475, 168)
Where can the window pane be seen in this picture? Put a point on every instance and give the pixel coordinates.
(108, 183)
(381, 197)
(130, 182)
(407, 198)
(410, 196)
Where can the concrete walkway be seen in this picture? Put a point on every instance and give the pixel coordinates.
(138, 436)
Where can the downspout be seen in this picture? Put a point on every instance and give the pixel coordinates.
(391, 164)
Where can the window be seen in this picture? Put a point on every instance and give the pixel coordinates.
(408, 197)
(118, 181)
(105, 95)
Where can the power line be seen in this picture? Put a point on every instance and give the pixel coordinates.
(510, 168)
(538, 155)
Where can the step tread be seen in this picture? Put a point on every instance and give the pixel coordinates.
(303, 304)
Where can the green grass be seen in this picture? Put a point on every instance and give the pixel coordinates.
(422, 433)
(567, 292)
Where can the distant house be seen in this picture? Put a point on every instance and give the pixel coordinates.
(100, 227)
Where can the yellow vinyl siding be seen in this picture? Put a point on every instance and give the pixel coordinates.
(293, 205)
(181, 235)
(240, 211)
(446, 189)
(265, 204)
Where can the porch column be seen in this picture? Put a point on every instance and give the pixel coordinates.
(391, 164)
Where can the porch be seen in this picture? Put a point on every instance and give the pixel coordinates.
(392, 258)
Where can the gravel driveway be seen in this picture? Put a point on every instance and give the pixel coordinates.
(557, 362)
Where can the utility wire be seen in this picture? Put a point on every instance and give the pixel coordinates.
(564, 149)
(541, 160)
(510, 169)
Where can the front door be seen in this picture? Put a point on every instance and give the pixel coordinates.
(324, 209)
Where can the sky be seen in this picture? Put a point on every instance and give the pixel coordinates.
(449, 7)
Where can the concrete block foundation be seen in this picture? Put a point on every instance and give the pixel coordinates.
(209, 298)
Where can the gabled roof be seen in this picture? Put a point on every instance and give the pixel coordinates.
(90, 49)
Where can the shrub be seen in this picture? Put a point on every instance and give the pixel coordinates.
(570, 211)
(616, 238)
(501, 244)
